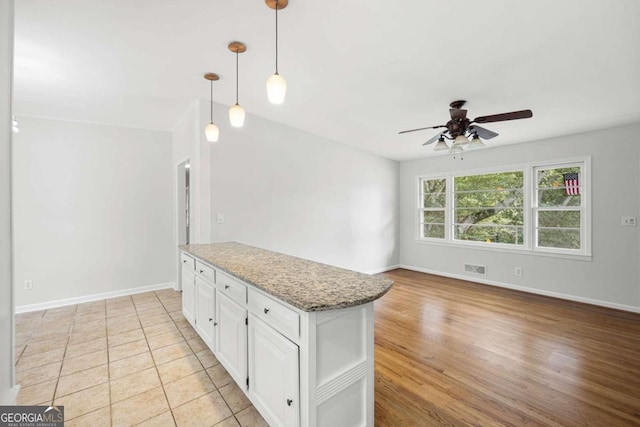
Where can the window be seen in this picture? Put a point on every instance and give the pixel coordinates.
(538, 207)
(489, 208)
(558, 207)
(433, 204)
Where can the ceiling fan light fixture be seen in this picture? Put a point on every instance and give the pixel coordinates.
(476, 142)
(460, 126)
(276, 84)
(460, 141)
(441, 145)
(236, 113)
(211, 131)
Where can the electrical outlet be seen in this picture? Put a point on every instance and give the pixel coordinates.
(629, 221)
(28, 284)
(517, 271)
(220, 218)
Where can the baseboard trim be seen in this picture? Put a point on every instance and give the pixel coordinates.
(8, 396)
(568, 297)
(383, 269)
(94, 297)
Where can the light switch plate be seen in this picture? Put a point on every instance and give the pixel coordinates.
(629, 221)
(220, 218)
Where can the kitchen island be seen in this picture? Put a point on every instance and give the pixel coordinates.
(295, 335)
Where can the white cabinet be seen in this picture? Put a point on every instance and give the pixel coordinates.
(205, 307)
(231, 337)
(298, 368)
(188, 294)
(273, 374)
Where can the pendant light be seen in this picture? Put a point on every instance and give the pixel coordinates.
(276, 84)
(211, 131)
(236, 113)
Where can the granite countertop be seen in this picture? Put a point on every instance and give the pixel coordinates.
(307, 285)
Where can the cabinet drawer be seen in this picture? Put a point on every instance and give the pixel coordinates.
(205, 272)
(187, 261)
(278, 316)
(231, 287)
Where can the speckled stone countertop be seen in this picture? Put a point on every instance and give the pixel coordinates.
(307, 285)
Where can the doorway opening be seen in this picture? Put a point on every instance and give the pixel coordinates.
(184, 210)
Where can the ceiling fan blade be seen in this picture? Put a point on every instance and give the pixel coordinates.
(414, 130)
(514, 115)
(432, 140)
(482, 132)
(458, 113)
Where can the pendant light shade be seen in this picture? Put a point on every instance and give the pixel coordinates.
(276, 84)
(460, 140)
(441, 145)
(236, 113)
(236, 116)
(276, 89)
(475, 141)
(211, 131)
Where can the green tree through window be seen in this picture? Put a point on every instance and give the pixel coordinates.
(489, 208)
(433, 199)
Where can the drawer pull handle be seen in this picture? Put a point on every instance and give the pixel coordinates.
(226, 286)
(210, 319)
(215, 323)
(201, 271)
(289, 402)
(184, 261)
(266, 311)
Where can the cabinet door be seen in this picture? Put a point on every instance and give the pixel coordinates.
(188, 295)
(231, 337)
(205, 311)
(274, 386)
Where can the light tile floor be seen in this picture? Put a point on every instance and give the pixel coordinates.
(126, 361)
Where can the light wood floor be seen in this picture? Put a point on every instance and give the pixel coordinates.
(455, 353)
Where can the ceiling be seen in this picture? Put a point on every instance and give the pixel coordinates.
(357, 71)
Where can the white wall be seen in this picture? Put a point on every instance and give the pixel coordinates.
(611, 277)
(289, 191)
(189, 144)
(93, 209)
(7, 389)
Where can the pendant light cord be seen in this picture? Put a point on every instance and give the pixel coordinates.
(236, 76)
(276, 36)
(211, 81)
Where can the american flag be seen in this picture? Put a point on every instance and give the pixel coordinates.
(571, 184)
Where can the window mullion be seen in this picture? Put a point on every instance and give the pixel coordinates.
(448, 229)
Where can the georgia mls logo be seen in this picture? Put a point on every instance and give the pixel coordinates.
(31, 416)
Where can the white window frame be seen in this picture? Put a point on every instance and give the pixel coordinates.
(422, 209)
(452, 208)
(529, 212)
(584, 208)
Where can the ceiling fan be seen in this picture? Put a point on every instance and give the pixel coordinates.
(459, 128)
